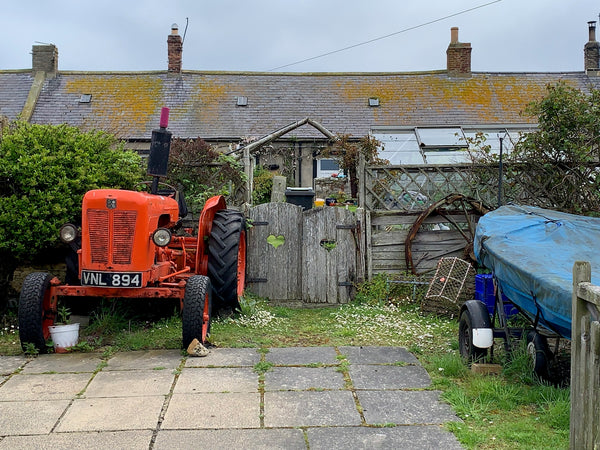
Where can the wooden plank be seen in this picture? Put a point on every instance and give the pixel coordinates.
(329, 272)
(281, 264)
(369, 244)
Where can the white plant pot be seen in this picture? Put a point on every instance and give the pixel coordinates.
(64, 336)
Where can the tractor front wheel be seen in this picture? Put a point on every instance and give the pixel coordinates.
(227, 258)
(35, 313)
(197, 310)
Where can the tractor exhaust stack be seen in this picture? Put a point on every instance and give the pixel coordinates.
(160, 147)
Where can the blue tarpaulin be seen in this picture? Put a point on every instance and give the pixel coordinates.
(531, 252)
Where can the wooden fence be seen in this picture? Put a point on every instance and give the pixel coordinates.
(386, 241)
(310, 257)
(585, 360)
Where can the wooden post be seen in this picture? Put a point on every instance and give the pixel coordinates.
(361, 175)
(585, 360)
(369, 244)
(249, 171)
(278, 192)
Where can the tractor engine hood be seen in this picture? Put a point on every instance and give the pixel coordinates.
(117, 227)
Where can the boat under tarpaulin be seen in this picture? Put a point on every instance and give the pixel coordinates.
(531, 252)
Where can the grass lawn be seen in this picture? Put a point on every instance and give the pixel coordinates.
(508, 411)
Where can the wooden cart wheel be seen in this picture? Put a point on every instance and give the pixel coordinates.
(457, 211)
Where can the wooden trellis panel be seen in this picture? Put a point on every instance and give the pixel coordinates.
(414, 188)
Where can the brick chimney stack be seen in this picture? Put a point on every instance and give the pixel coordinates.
(458, 56)
(591, 50)
(45, 59)
(175, 49)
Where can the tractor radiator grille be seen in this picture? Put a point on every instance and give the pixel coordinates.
(121, 238)
(98, 230)
(123, 231)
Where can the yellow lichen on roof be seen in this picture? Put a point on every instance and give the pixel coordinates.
(206, 100)
(482, 98)
(121, 104)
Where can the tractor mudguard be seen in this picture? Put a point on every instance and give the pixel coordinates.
(482, 332)
(207, 216)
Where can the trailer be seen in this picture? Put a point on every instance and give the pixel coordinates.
(530, 252)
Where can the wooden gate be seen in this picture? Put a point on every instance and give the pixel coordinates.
(303, 256)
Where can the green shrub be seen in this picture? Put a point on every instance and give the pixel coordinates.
(262, 185)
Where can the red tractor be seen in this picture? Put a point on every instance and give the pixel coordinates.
(133, 245)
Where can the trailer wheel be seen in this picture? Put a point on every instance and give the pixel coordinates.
(538, 351)
(197, 310)
(227, 258)
(465, 339)
(35, 314)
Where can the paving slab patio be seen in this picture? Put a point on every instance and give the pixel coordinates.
(130, 440)
(163, 399)
(257, 439)
(63, 363)
(53, 386)
(10, 364)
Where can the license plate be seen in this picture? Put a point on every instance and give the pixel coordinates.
(111, 279)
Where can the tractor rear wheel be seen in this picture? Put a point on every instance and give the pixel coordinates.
(197, 310)
(227, 258)
(35, 315)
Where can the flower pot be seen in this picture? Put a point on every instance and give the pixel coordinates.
(64, 336)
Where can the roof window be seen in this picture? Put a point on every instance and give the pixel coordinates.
(441, 138)
(85, 98)
(373, 102)
(242, 101)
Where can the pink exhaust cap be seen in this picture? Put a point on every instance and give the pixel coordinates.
(164, 117)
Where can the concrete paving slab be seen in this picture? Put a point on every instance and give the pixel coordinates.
(388, 377)
(231, 439)
(197, 411)
(402, 437)
(223, 379)
(133, 383)
(404, 407)
(56, 386)
(308, 408)
(148, 359)
(378, 355)
(10, 364)
(30, 417)
(63, 362)
(302, 356)
(303, 378)
(112, 414)
(221, 357)
(131, 440)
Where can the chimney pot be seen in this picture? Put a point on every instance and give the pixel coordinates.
(592, 30)
(454, 35)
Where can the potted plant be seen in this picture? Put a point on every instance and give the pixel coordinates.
(64, 334)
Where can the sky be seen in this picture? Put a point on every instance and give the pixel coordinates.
(274, 35)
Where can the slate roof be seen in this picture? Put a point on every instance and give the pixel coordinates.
(204, 103)
(14, 89)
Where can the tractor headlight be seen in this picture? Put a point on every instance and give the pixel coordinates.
(161, 237)
(68, 233)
